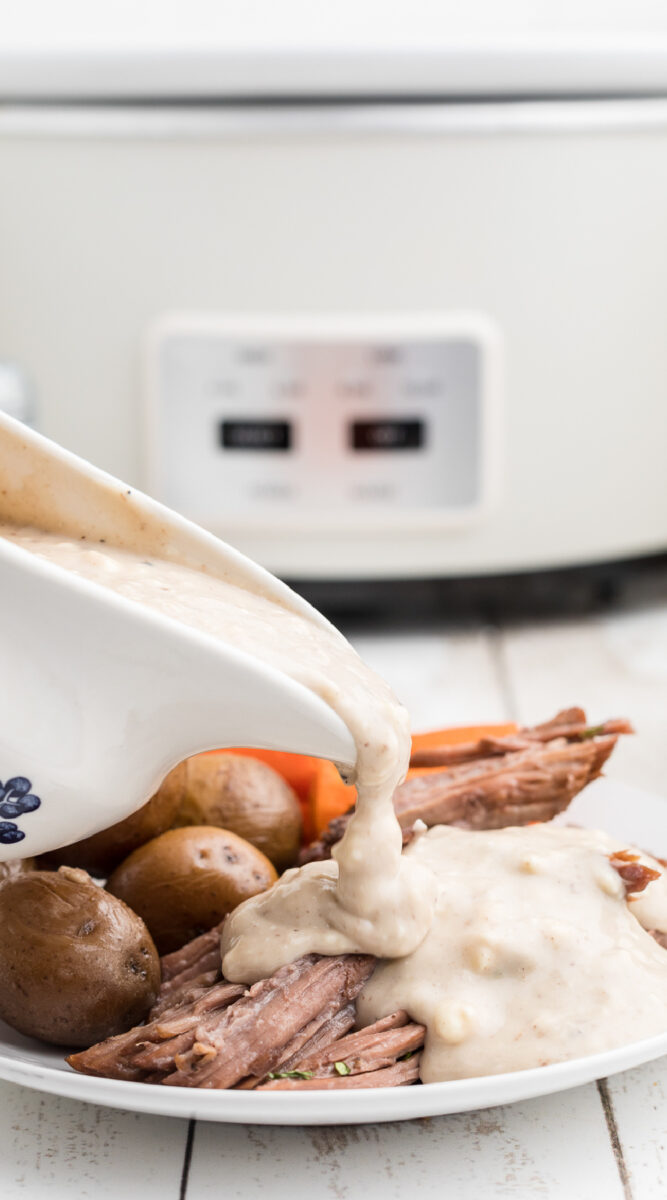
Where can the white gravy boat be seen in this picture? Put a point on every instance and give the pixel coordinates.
(100, 697)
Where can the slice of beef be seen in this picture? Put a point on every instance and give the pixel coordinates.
(191, 956)
(481, 795)
(178, 1036)
(221, 1034)
(200, 1002)
(116, 1058)
(111, 1059)
(529, 785)
(251, 1036)
(570, 724)
(379, 1045)
(177, 1031)
(195, 965)
(336, 1027)
(399, 1075)
(317, 1034)
(176, 990)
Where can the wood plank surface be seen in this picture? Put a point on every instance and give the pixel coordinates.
(557, 1146)
(65, 1149)
(639, 1100)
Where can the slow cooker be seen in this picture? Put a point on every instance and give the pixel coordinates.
(388, 310)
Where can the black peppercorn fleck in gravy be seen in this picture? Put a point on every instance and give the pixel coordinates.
(515, 948)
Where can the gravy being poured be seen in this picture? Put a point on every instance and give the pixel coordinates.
(515, 948)
(382, 903)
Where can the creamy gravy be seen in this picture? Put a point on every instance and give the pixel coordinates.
(515, 947)
(534, 954)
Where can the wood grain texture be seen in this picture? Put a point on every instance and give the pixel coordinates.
(65, 1149)
(553, 1147)
(639, 1100)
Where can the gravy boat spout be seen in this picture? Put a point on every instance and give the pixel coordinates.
(102, 696)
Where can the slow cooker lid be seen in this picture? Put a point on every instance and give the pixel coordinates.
(355, 49)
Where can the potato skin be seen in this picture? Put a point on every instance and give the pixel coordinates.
(101, 852)
(76, 964)
(246, 796)
(185, 881)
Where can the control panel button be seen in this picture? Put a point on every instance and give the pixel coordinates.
(256, 435)
(386, 435)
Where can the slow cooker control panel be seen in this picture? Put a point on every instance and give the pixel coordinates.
(313, 421)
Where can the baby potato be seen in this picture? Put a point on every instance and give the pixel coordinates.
(76, 965)
(185, 881)
(103, 851)
(247, 797)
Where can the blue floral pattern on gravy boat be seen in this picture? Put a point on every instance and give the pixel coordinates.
(16, 800)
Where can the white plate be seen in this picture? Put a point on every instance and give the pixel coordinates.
(630, 814)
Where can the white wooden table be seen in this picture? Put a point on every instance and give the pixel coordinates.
(599, 1142)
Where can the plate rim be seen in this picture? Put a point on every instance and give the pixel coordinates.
(332, 1107)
